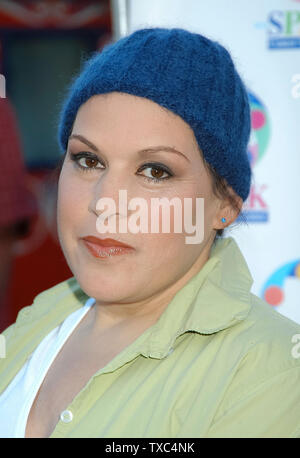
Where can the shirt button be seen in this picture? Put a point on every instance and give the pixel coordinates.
(66, 416)
(170, 351)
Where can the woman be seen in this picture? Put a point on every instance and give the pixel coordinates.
(159, 337)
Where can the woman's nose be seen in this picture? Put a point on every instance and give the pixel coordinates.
(110, 193)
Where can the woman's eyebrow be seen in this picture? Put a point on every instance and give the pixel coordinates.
(86, 141)
(156, 149)
(150, 149)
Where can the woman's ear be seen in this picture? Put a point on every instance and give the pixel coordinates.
(229, 209)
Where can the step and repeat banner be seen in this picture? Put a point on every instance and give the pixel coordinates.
(263, 37)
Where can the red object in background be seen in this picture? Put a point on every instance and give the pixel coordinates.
(55, 14)
(39, 263)
(16, 202)
(47, 268)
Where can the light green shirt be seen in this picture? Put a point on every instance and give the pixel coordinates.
(219, 362)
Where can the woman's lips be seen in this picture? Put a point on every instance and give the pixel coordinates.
(106, 248)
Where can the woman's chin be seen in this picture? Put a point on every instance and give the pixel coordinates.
(111, 290)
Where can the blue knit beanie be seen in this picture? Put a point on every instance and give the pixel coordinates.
(184, 72)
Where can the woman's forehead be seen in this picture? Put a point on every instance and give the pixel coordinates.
(119, 117)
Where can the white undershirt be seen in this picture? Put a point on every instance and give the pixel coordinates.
(18, 397)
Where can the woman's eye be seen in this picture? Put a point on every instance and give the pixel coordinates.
(89, 163)
(86, 161)
(156, 172)
(153, 172)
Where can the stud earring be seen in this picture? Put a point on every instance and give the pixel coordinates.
(223, 219)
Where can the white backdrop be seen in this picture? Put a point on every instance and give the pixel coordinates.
(263, 37)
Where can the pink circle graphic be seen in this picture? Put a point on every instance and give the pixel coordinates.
(258, 119)
(274, 295)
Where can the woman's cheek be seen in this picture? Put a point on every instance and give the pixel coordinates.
(71, 194)
(68, 207)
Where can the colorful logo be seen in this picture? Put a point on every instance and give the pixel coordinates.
(255, 208)
(260, 129)
(272, 291)
(283, 29)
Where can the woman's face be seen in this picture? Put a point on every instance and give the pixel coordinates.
(120, 126)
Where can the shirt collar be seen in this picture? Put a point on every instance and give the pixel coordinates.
(217, 297)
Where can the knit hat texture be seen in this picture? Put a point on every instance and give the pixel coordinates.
(188, 74)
